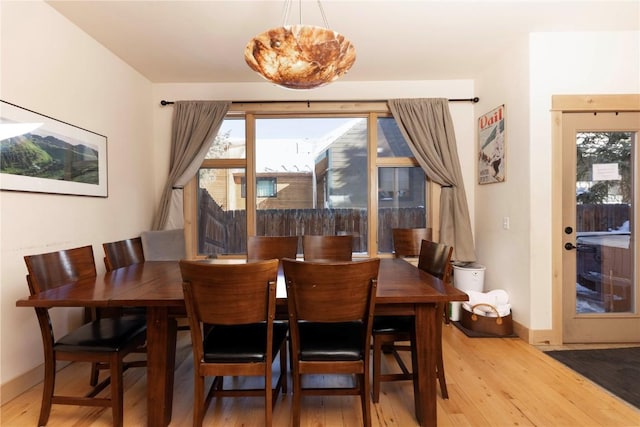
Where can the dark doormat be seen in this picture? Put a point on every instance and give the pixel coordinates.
(615, 369)
(475, 334)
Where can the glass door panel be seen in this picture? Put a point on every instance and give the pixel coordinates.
(604, 218)
(600, 217)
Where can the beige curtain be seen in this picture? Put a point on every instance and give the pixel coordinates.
(195, 124)
(426, 124)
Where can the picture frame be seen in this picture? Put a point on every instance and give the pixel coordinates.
(41, 154)
(491, 146)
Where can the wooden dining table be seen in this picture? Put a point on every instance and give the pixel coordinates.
(403, 289)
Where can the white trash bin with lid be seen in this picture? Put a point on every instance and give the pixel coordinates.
(466, 277)
(469, 276)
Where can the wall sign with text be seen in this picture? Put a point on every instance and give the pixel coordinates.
(491, 141)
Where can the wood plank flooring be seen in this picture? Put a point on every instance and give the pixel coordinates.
(491, 382)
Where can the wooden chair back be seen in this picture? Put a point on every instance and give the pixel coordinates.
(435, 259)
(54, 269)
(407, 241)
(226, 304)
(330, 323)
(271, 247)
(228, 294)
(331, 292)
(327, 248)
(123, 253)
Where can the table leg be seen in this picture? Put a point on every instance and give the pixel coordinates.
(425, 377)
(161, 355)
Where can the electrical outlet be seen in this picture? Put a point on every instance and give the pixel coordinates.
(505, 222)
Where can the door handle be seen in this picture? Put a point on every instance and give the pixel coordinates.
(569, 246)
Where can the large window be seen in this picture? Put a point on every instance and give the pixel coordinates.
(401, 185)
(296, 173)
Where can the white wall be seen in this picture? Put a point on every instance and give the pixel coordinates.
(524, 78)
(50, 66)
(566, 63)
(505, 252)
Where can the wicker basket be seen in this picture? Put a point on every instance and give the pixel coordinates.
(499, 326)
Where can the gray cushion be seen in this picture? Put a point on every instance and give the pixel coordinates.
(163, 245)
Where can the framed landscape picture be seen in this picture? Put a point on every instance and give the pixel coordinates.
(41, 154)
(491, 144)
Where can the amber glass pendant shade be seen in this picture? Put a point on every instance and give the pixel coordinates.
(300, 56)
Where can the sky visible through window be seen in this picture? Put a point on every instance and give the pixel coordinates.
(289, 128)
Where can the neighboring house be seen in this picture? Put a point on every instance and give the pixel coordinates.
(342, 169)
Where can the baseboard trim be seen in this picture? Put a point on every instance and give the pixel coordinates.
(536, 337)
(20, 384)
(14, 388)
(544, 337)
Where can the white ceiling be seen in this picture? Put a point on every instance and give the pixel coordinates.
(203, 41)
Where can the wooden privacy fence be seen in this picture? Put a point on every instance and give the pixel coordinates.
(224, 232)
(601, 217)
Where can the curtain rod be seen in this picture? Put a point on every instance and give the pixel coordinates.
(472, 100)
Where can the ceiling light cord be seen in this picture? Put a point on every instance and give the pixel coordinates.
(324, 17)
(286, 10)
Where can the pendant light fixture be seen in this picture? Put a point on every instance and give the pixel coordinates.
(300, 56)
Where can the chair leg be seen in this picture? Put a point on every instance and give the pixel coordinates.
(117, 390)
(48, 389)
(415, 369)
(198, 399)
(365, 398)
(446, 314)
(295, 413)
(440, 362)
(268, 395)
(377, 356)
(283, 366)
(95, 374)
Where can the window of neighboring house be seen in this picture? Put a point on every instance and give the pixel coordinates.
(300, 172)
(394, 184)
(265, 187)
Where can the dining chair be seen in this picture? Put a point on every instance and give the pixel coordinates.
(123, 253)
(105, 340)
(118, 254)
(407, 241)
(270, 247)
(390, 331)
(231, 312)
(330, 319)
(435, 259)
(327, 248)
(166, 245)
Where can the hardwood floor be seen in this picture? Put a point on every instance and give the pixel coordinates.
(492, 382)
